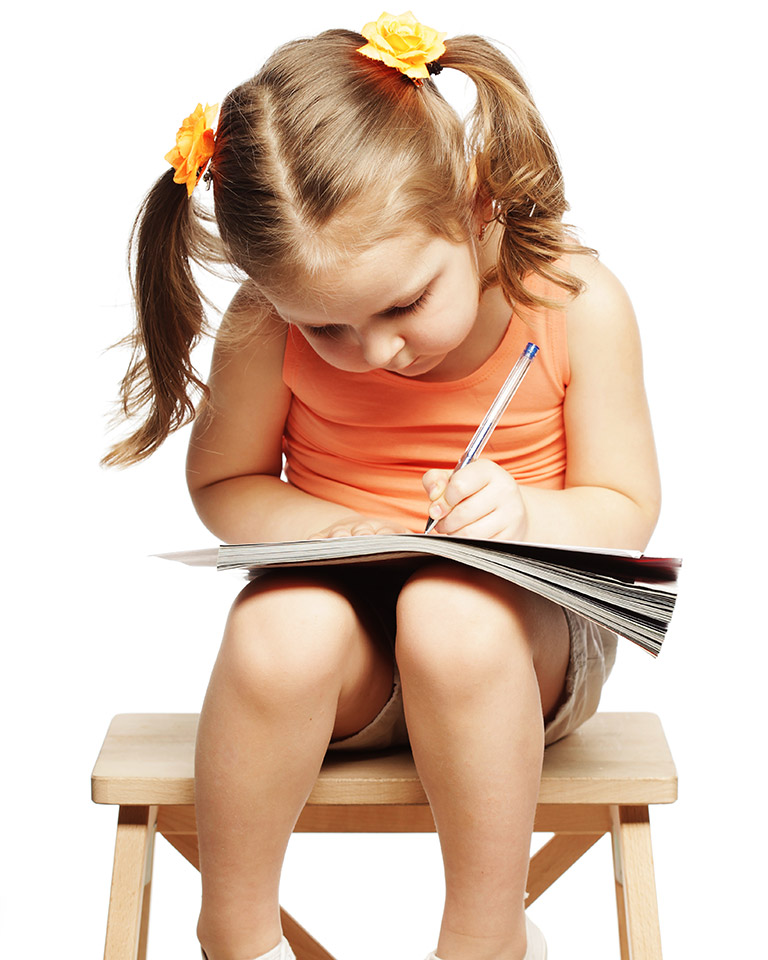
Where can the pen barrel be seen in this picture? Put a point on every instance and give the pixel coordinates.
(499, 405)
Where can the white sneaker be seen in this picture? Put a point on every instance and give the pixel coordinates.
(536, 949)
(281, 952)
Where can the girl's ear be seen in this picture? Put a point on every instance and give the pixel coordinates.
(472, 175)
(482, 205)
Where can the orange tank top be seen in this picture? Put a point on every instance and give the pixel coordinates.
(364, 440)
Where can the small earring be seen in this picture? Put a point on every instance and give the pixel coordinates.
(481, 232)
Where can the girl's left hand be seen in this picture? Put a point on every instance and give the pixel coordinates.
(481, 500)
(356, 525)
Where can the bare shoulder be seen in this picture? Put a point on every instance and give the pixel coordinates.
(601, 320)
(608, 425)
(249, 326)
(603, 298)
(240, 430)
(246, 369)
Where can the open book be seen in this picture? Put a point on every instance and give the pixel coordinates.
(626, 592)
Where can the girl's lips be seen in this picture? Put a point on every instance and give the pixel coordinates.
(402, 369)
(406, 370)
(416, 367)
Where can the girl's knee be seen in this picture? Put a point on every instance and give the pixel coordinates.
(288, 630)
(456, 624)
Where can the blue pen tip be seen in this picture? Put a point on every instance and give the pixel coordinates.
(530, 351)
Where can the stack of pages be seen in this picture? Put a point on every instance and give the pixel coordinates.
(626, 592)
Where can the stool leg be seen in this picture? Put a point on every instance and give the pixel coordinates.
(303, 943)
(635, 884)
(127, 923)
(553, 859)
(141, 953)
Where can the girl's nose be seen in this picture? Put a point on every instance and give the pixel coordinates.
(380, 346)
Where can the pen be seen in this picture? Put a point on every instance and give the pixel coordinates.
(497, 408)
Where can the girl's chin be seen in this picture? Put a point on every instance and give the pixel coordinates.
(415, 368)
(418, 367)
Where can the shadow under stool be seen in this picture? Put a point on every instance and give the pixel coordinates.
(600, 779)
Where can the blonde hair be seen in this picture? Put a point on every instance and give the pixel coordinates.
(325, 152)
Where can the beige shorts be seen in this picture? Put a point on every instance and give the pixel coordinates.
(593, 651)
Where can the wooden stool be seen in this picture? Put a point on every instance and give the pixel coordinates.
(598, 780)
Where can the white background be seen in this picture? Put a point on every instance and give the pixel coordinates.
(656, 110)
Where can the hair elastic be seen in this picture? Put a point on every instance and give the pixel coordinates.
(404, 44)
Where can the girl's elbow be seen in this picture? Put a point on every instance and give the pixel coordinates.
(647, 512)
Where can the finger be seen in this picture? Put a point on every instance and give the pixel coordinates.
(455, 492)
(480, 503)
(361, 530)
(392, 528)
(365, 530)
(483, 516)
(368, 528)
(487, 527)
(465, 483)
(464, 515)
(434, 482)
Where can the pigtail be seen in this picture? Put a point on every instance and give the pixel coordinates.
(518, 173)
(160, 382)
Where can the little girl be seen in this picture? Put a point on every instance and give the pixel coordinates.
(395, 264)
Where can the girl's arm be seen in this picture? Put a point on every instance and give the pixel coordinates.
(612, 493)
(611, 496)
(235, 453)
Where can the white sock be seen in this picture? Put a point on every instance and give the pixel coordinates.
(537, 945)
(281, 952)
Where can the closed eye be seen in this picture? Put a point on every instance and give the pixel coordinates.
(333, 331)
(417, 304)
(330, 330)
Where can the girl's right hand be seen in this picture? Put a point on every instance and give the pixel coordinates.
(359, 526)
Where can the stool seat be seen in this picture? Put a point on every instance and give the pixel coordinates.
(599, 779)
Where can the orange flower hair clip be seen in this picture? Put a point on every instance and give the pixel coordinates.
(194, 146)
(405, 44)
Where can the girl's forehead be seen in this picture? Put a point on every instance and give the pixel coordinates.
(371, 282)
(397, 262)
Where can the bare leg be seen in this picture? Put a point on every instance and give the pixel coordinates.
(296, 666)
(481, 662)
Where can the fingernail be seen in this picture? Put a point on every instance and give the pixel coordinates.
(435, 511)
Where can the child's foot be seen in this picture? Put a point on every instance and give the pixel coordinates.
(281, 952)
(537, 945)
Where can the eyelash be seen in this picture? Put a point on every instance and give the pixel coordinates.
(412, 307)
(333, 329)
(329, 330)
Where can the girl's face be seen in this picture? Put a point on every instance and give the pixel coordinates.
(405, 306)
